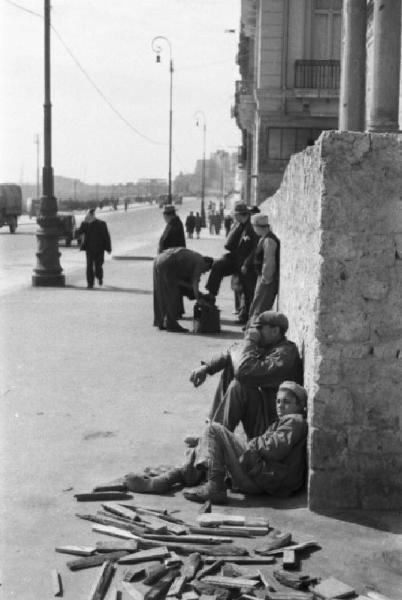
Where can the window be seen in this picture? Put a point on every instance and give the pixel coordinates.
(327, 23)
(282, 142)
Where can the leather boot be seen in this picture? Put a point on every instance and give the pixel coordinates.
(209, 491)
(153, 485)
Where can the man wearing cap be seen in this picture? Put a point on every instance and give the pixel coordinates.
(266, 263)
(95, 240)
(173, 234)
(251, 374)
(273, 463)
(240, 243)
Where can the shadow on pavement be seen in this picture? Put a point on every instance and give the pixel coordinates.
(109, 288)
(381, 520)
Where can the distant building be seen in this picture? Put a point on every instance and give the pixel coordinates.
(289, 61)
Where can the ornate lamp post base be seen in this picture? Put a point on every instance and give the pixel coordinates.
(48, 272)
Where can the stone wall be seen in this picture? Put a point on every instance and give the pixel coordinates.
(338, 214)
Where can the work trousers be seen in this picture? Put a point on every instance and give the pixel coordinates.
(221, 268)
(94, 266)
(218, 452)
(236, 403)
(264, 297)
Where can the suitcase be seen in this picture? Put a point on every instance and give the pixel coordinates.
(206, 318)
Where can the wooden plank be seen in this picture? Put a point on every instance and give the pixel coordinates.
(144, 555)
(117, 485)
(111, 523)
(56, 583)
(174, 560)
(191, 566)
(251, 530)
(377, 596)
(291, 595)
(176, 586)
(76, 550)
(132, 591)
(191, 595)
(122, 511)
(155, 573)
(214, 519)
(301, 546)
(138, 571)
(289, 560)
(96, 560)
(102, 582)
(243, 560)
(189, 539)
(161, 587)
(118, 595)
(209, 570)
(267, 580)
(333, 588)
(274, 540)
(130, 546)
(296, 581)
(231, 582)
(221, 531)
(115, 532)
(101, 496)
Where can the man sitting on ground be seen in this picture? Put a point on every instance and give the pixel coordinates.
(251, 374)
(273, 463)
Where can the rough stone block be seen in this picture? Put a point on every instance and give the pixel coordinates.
(357, 370)
(346, 326)
(335, 489)
(328, 449)
(335, 411)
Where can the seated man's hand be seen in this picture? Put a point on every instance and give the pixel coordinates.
(250, 460)
(198, 376)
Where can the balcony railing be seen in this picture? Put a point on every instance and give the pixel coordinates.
(317, 74)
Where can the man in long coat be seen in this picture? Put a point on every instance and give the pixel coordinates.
(95, 240)
(173, 234)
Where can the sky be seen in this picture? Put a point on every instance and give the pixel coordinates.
(102, 63)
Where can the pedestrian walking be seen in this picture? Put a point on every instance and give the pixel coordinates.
(190, 225)
(95, 240)
(198, 225)
(227, 223)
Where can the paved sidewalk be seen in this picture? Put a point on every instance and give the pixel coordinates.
(90, 390)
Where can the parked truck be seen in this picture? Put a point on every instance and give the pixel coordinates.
(10, 205)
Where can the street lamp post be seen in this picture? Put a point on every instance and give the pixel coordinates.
(158, 49)
(200, 114)
(48, 271)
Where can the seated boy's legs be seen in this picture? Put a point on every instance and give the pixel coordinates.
(243, 404)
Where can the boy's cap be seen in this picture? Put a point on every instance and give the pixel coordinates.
(296, 389)
(260, 220)
(241, 209)
(272, 318)
(169, 209)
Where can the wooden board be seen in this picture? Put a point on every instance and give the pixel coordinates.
(112, 546)
(230, 582)
(102, 582)
(132, 591)
(289, 560)
(138, 571)
(256, 530)
(210, 569)
(176, 586)
(87, 562)
(214, 519)
(243, 560)
(117, 485)
(144, 555)
(222, 531)
(274, 540)
(160, 589)
(191, 566)
(191, 595)
(333, 588)
(115, 532)
(76, 550)
(101, 496)
(189, 539)
(122, 511)
(298, 547)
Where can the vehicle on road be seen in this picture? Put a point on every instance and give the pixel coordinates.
(10, 205)
(67, 226)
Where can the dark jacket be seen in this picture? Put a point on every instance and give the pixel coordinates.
(241, 241)
(172, 236)
(190, 223)
(95, 237)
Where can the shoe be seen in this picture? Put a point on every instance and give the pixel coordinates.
(191, 441)
(206, 492)
(143, 484)
(90, 287)
(101, 281)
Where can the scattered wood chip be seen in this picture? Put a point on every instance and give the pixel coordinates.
(274, 540)
(102, 582)
(96, 560)
(144, 555)
(289, 560)
(176, 586)
(230, 582)
(333, 588)
(76, 550)
(56, 583)
(205, 508)
(191, 566)
(101, 496)
(243, 560)
(114, 546)
(132, 591)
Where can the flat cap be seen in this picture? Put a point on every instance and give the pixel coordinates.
(296, 389)
(260, 220)
(272, 318)
(169, 209)
(241, 208)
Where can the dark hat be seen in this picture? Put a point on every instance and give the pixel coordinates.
(296, 389)
(254, 210)
(241, 209)
(169, 209)
(272, 318)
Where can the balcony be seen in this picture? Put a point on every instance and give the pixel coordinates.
(317, 78)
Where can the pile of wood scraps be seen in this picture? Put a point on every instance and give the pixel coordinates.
(150, 554)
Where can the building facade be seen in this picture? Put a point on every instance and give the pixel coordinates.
(289, 62)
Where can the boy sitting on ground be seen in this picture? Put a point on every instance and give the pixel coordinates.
(273, 463)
